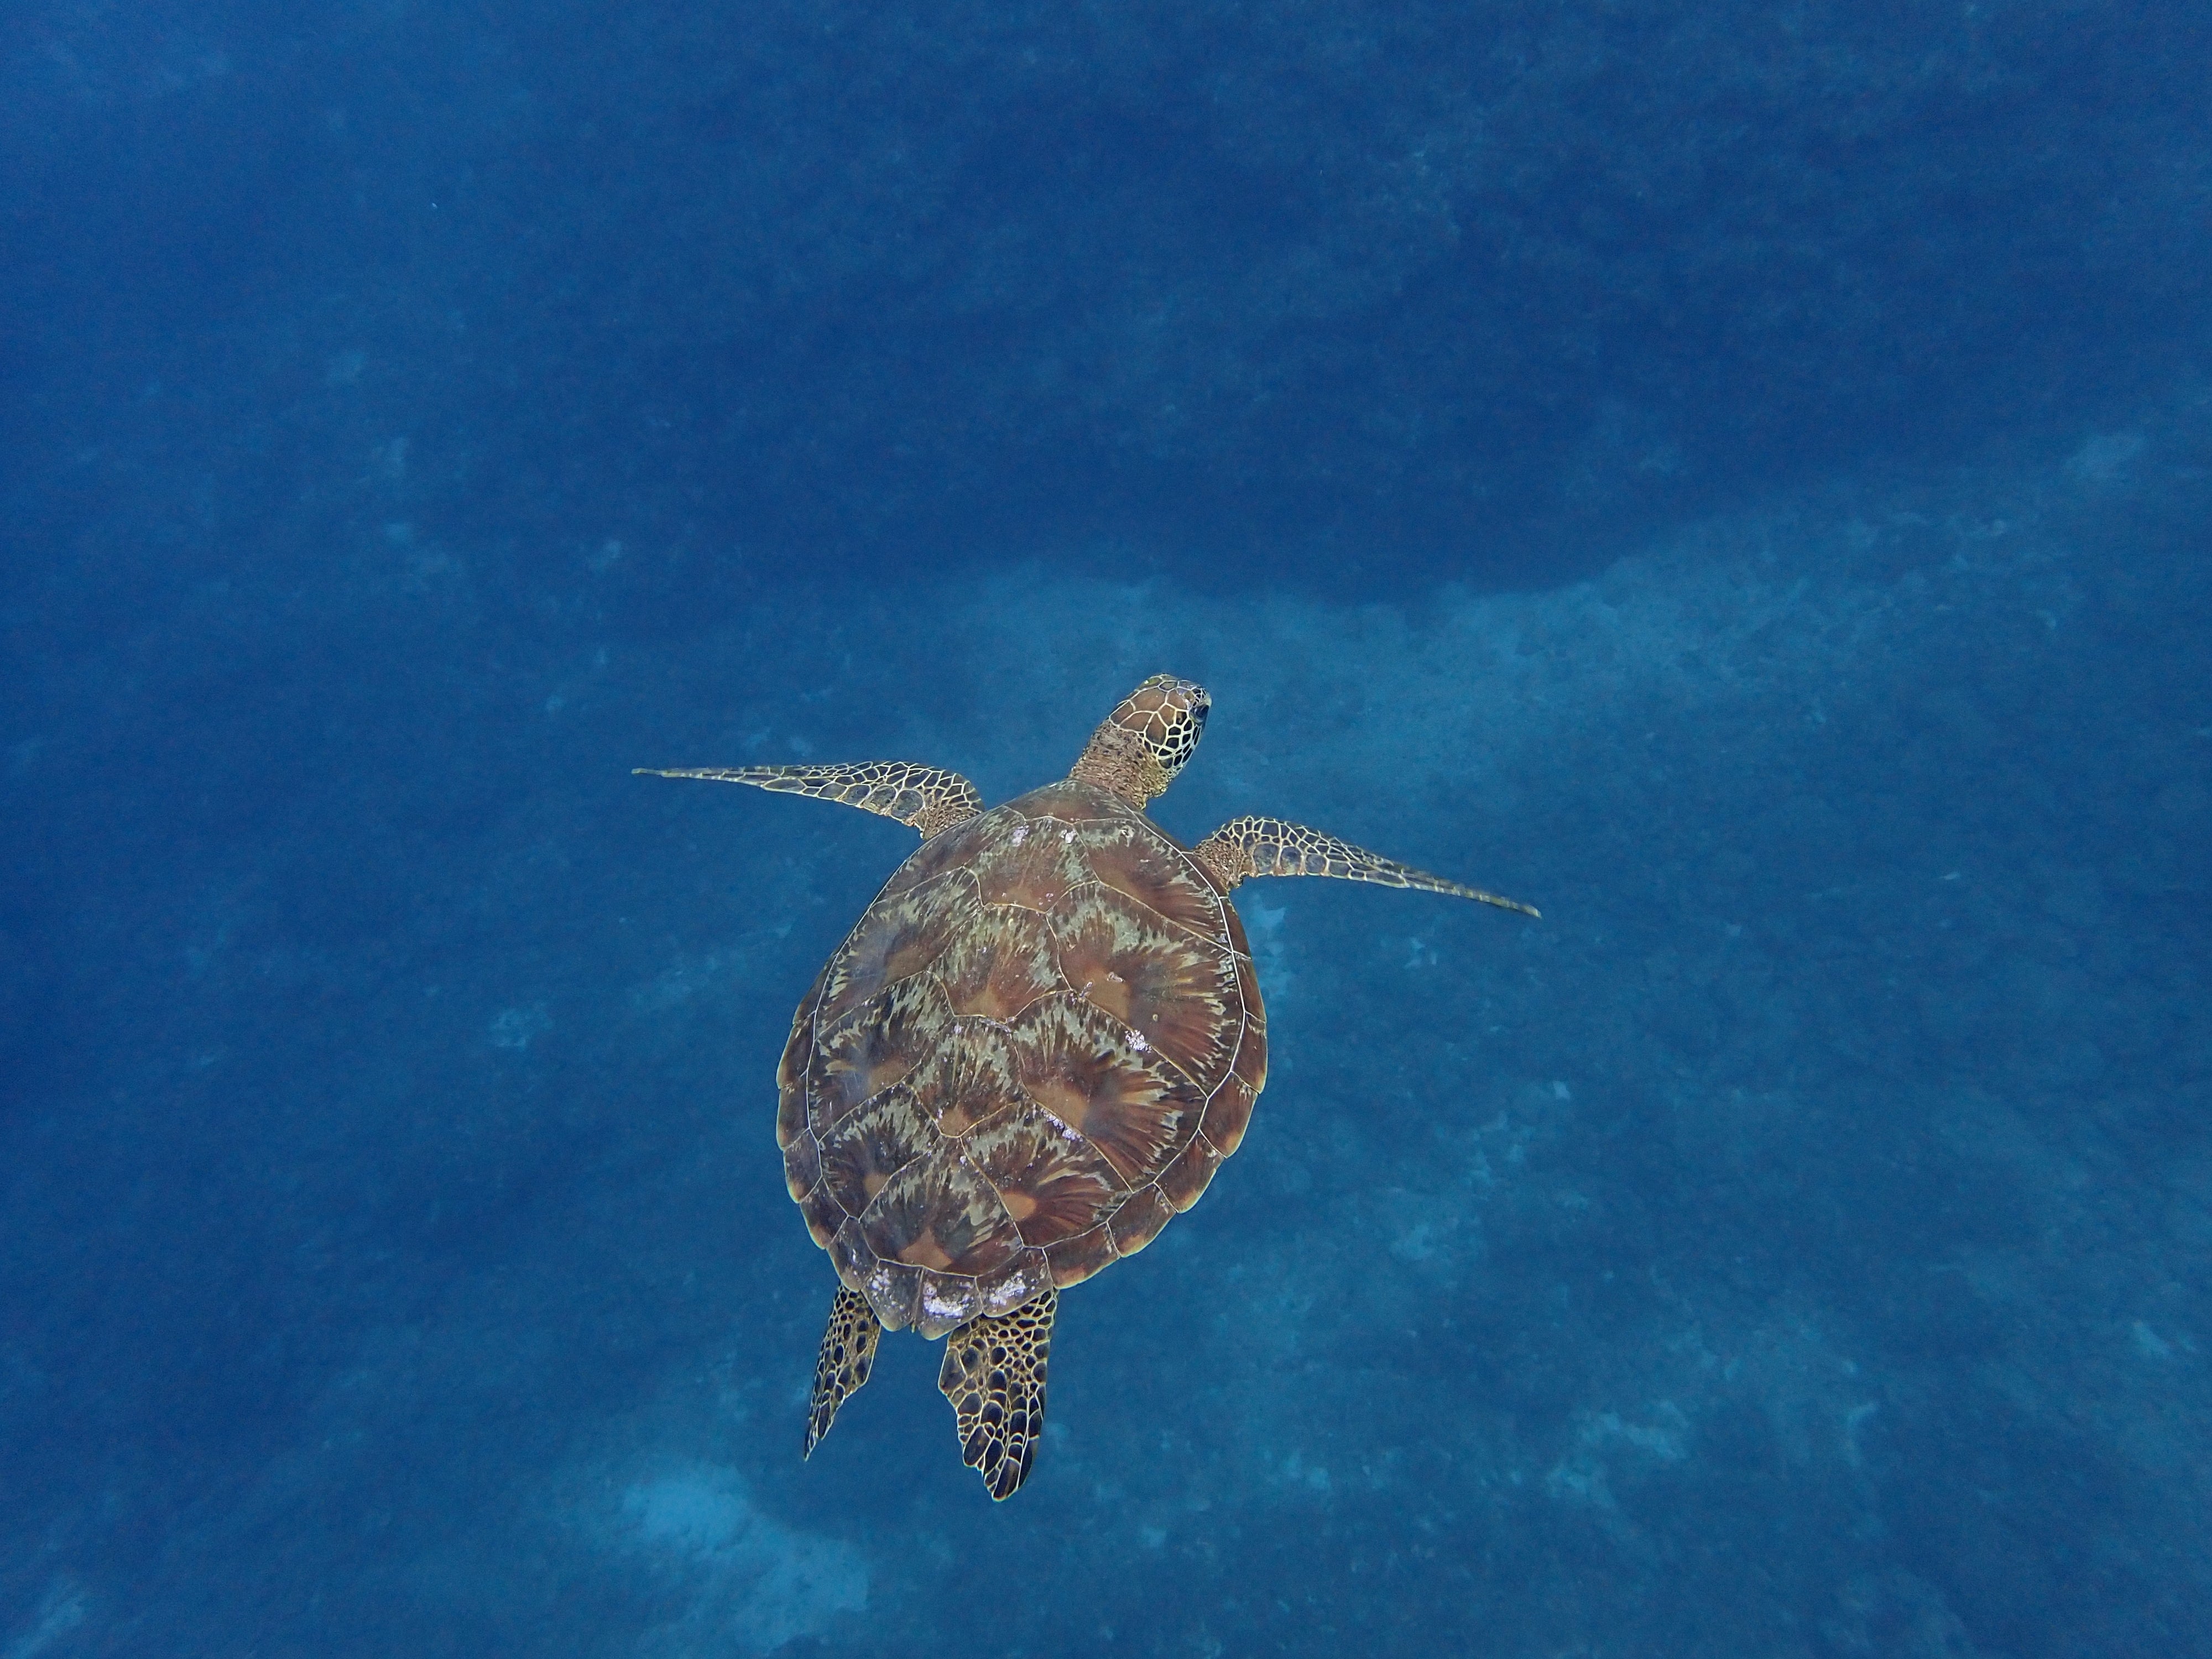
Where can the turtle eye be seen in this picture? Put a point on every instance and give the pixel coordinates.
(1198, 712)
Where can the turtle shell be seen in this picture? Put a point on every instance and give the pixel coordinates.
(1033, 1049)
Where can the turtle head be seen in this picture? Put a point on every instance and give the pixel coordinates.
(1144, 742)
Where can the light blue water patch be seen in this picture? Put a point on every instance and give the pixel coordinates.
(758, 1585)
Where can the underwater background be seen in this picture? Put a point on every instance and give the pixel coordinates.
(1736, 476)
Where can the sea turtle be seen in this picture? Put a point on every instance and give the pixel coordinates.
(1034, 1048)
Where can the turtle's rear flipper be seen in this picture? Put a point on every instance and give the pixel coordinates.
(849, 1354)
(993, 1375)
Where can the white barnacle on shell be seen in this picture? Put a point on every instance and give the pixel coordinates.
(943, 1307)
(1021, 834)
(1023, 1280)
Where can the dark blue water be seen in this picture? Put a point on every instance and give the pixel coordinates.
(1734, 477)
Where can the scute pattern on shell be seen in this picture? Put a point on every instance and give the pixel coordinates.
(1031, 1051)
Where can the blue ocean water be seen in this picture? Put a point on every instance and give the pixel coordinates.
(1733, 475)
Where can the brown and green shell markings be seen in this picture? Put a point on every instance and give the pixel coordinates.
(1032, 1051)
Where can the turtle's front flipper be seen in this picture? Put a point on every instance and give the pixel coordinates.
(849, 1354)
(928, 798)
(993, 1375)
(1270, 846)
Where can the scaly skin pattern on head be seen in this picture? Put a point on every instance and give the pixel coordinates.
(1145, 741)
